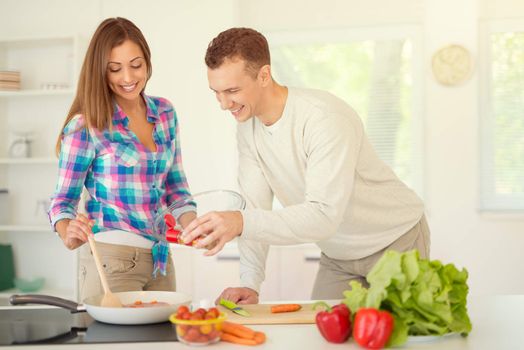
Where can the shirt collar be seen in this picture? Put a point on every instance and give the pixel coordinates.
(151, 111)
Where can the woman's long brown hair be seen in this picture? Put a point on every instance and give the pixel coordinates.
(93, 97)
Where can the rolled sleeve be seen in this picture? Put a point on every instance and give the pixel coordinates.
(75, 158)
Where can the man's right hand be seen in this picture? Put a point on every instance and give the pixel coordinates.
(74, 232)
(239, 295)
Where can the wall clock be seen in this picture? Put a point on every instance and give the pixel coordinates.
(452, 65)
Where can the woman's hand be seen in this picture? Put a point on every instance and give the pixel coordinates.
(215, 229)
(74, 232)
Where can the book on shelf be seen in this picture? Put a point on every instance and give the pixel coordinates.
(9, 80)
(9, 85)
(9, 75)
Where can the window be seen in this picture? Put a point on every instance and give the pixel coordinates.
(502, 116)
(377, 72)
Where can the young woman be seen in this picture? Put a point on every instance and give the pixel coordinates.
(123, 147)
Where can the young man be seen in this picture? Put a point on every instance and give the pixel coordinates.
(309, 149)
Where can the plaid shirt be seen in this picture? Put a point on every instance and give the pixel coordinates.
(127, 183)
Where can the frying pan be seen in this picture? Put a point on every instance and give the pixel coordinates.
(122, 316)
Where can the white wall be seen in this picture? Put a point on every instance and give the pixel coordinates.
(179, 31)
(489, 246)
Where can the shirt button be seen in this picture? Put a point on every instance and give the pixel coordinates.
(154, 186)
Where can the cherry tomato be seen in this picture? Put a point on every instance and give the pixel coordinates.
(213, 311)
(181, 310)
(196, 316)
(201, 311)
(206, 329)
(192, 334)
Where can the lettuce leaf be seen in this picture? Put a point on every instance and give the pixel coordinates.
(425, 297)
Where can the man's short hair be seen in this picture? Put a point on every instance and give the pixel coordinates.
(244, 43)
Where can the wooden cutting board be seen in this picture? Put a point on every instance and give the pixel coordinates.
(261, 314)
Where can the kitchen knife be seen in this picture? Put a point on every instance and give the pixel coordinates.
(228, 304)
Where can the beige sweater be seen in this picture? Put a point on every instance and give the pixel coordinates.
(336, 192)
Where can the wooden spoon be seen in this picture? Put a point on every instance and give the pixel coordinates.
(109, 299)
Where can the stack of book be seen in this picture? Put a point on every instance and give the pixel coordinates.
(9, 80)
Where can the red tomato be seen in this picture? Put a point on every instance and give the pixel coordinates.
(202, 339)
(201, 311)
(192, 334)
(214, 334)
(206, 329)
(213, 311)
(196, 316)
(181, 310)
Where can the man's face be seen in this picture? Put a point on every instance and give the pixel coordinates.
(236, 89)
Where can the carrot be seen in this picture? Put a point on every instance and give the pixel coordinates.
(285, 308)
(238, 330)
(260, 337)
(237, 340)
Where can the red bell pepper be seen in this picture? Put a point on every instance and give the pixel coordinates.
(172, 234)
(372, 328)
(334, 323)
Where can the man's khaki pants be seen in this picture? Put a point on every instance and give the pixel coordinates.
(334, 275)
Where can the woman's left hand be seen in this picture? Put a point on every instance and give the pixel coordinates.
(215, 229)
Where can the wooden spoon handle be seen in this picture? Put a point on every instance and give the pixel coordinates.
(98, 264)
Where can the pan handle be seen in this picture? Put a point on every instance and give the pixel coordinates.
(21, 299)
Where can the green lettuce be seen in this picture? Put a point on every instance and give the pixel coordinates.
(425, 297)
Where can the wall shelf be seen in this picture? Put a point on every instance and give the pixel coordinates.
(25, 228)
(36, 92)
(29, 161)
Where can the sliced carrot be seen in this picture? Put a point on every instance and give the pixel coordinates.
(237, 340)
(285, 308)
(238, 330)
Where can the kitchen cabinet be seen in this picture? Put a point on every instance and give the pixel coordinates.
(298, 270)
(30, 120)
(290, 272)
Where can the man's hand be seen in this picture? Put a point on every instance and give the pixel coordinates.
(74, 232)
(215, 229)
(239, 295)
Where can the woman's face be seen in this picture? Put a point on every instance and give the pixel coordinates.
(126, 71)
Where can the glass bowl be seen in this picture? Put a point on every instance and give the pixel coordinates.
(200, 203)
(27, 286)
(198, 332)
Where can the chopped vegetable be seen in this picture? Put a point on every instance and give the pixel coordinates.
(285, 308)
(173, 234)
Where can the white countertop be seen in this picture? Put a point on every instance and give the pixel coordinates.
(498, 323)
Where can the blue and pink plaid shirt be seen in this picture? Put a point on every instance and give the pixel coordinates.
(128, 184)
